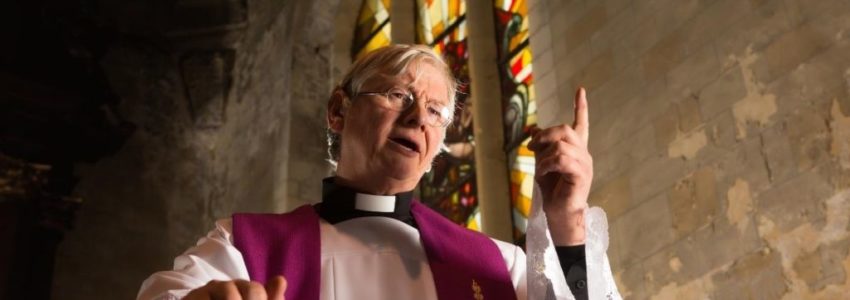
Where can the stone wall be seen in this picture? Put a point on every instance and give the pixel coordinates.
(720, 132)
(321, 57)
(208, 86)
(319, 49)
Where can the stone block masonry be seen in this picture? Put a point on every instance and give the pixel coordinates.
(721, 138)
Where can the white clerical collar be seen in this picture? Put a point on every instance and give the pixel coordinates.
(340, 203)
(374, 203)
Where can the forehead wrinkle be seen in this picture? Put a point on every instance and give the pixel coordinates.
(387, 77)
(417, 73)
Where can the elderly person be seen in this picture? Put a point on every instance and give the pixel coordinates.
(367, 239)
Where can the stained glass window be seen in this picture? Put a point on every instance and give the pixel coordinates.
(373, 27)
(441, 23)
(520, 110)
(450, 187)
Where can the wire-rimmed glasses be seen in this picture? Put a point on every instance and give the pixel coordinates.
(397, 99)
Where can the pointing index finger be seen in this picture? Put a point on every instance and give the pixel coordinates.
(581, 124)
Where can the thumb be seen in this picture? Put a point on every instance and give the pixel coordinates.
(275, 288)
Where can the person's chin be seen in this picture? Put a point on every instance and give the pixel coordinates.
(403, 168)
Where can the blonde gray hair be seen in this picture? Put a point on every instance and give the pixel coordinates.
(392, 60)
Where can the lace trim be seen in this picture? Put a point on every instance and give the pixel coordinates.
(545, 277)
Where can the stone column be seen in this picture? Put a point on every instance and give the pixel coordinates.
(403, 22)
(490, 158)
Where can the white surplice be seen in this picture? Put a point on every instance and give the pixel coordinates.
(383, 258)
(362, 258)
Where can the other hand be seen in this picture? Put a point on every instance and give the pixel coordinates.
(240, 290)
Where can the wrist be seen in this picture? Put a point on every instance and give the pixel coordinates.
(567, 226)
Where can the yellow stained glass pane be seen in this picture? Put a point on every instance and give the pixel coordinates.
(435, 16)
(474, 222)
(373, 29)
(522, 35)
(523, 206)
(521, 65)
(379, 40)
(523, 151)
(522, 184)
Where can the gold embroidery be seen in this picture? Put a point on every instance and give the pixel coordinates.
(476, 289)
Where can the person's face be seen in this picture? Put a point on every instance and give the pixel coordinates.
(385, 151)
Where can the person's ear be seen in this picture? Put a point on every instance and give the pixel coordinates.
(337, 106)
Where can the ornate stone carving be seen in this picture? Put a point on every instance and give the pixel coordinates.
(207, 77)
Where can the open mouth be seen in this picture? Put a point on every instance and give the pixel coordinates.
(406, 143)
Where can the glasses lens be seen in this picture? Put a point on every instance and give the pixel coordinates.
(438, 115)
(398, 99)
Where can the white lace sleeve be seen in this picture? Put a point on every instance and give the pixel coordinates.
(600, 279)
(213, 258)
(545, 277)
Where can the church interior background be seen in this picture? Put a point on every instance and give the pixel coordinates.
(720, 130)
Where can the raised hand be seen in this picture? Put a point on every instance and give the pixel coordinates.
(564, 172)
(240, 290)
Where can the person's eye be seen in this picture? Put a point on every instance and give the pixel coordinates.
(397, 95)
(435, 110)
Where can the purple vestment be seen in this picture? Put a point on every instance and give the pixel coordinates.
(465, 264)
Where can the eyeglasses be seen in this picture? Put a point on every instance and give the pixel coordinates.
(397, 99)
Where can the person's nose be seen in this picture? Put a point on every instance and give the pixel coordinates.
(415, 115)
